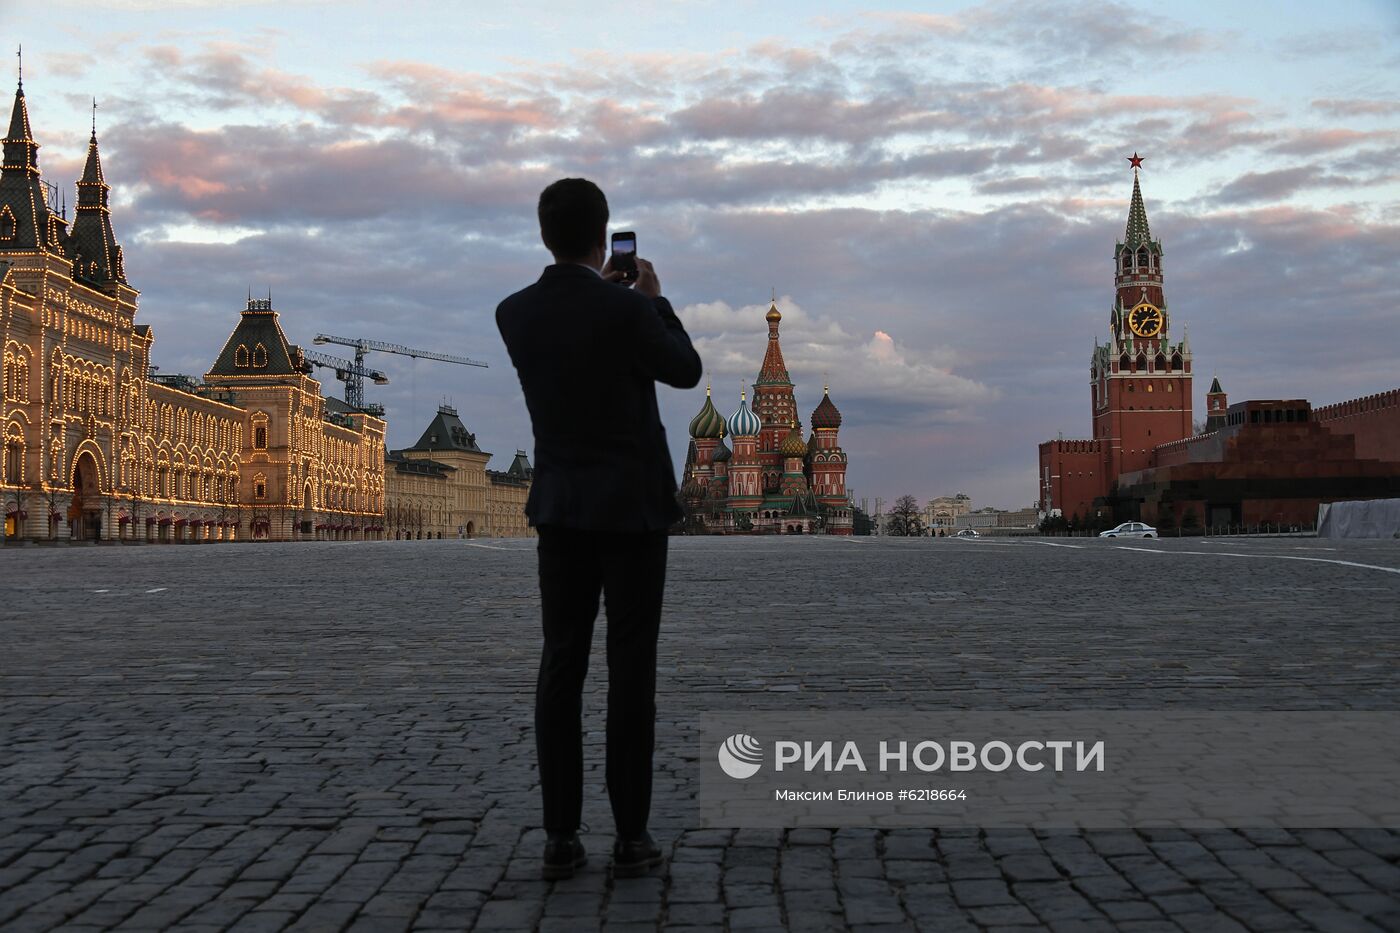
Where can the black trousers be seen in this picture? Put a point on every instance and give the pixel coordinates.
(629, 570)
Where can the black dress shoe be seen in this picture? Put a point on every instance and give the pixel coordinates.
(563, 855)
(633, 858)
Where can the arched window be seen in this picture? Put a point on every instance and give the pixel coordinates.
(259, 486)
(1160, 363)
(259, 356)
(1142, 259)
(1140, 365)
(1176, 361)
(1127, 260)
(14, 456)
(240, 356)
(1124, 364)
(8, 227)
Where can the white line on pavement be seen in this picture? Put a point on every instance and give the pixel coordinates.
(1056, 544)
(159, 589)
(492, 547)
(1317, 560)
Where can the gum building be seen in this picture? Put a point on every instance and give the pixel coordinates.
(441, 487)
(98, 447)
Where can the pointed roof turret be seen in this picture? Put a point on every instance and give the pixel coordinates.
(447, 432)
(21, 151)
(774, 369)
(98, 258)
(520, 466)
(24, 210)
(257, 348)
(1215, 386)
(1138, 233)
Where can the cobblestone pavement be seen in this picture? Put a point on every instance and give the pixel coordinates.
(322, 736)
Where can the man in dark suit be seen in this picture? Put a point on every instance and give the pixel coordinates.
(589, 350)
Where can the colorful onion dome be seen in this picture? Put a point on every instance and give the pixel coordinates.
(826, 415)
(692, 489)
(793, 445)
(722, 453)
(744, 423)
(708, 423)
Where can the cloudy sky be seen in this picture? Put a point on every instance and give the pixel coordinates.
(933, 194)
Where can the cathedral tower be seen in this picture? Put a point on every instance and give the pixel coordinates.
(1140, 381)
(745, 468)
(773, 403)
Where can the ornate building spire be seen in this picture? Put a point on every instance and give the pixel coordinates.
(92, 242)
(24, 213)
(774, 370)
(1138, 233)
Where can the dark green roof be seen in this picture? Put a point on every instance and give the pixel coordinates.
(1138, 234)
(520, 466)
(446, 432)
(257, 327)
(1215, 385)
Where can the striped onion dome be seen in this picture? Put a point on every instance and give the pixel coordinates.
(708, 423)
(744, 423)
(722, 453)
(793, 445)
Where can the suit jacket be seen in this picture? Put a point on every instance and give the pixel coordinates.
(588, 354)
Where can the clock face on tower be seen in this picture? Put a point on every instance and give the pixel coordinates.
(1145, 320)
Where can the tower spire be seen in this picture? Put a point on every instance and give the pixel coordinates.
(1138, 233)
(92, 223)
(25, 210)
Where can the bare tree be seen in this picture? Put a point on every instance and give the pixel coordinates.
(905, 518)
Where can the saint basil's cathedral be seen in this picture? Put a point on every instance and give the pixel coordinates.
(767, 479)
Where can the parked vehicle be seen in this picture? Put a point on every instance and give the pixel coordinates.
(1130, 530)
(967, 533)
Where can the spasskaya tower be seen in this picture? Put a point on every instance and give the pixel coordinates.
(1140, 381)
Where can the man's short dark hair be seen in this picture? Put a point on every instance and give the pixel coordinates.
(573, 217)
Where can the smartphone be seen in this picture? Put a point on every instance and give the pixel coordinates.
(624, 255)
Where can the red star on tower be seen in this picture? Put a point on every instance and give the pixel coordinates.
(1136, 160)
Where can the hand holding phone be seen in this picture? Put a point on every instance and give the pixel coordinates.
(624, 255)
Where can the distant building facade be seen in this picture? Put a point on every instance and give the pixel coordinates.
(942, 512)
(771, 481)
(96, 447)
(440, 487)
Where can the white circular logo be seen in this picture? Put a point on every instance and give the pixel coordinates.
(741, 756)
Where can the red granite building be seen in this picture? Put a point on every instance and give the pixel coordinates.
(1256, 462)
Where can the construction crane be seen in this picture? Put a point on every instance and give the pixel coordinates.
(355, 390)
(353, 375)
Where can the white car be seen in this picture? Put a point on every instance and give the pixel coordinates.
(967, 533)
(1130, 530)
